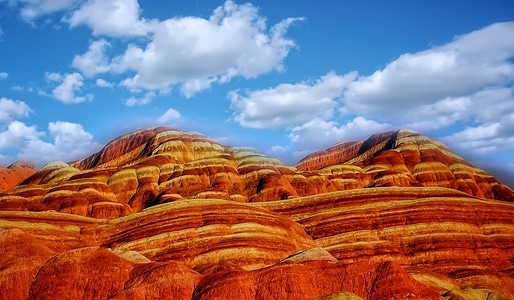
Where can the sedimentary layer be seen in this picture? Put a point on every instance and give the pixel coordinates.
(165, 214)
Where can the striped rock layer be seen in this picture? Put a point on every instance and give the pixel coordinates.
(165, 214)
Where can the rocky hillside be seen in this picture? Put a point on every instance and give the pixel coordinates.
(166, 214)
(15, 173)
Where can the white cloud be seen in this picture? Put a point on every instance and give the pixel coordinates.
(191, 52)
(55, 77)
(111, 18)
(33, 9)
(11, 108)
(17, 134)
(70, 142)
(197, 52)
(6, 160)
(169, 116)
(485, 138)
(460, 68)
(3, 75)
(67, 134)
(277, 149)
(318, 133)
(94, 61)
(467, 81)
(102, 83)
(289, 104)
(193, 86)
(71, 84)
(492, 103)
(145, 99)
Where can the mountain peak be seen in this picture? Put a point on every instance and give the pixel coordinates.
(405, 158)
(15, 173)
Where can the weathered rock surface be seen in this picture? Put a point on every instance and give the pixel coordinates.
(402, 158)
(15, 173)
(165, 214)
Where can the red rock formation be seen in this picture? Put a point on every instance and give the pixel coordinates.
(402, 158)
(21, 257)
(312, 279)
(165, 214)
(15, 173)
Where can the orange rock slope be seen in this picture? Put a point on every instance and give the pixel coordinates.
(15, 173)
(165, 214)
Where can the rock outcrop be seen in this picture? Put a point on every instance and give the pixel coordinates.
(402, 158)
(15, 173)
(165, 214)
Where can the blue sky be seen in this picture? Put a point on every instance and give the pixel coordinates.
(285, 78)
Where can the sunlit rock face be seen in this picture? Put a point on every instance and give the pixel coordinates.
(403, 158)
(15, 173)
(166, 214)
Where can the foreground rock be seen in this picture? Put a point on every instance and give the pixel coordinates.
(165, 214)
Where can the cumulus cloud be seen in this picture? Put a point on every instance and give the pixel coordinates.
(94, 61)
(278, 149)
(197, 52)
(111, 18)
(55, 77)
(17, 134)
(318, 133)
(102, 83)
(33, 9)
(10, 109)
(193, 86)
(289, 104)
(462, 67)
(3, 75)
(466, 81)
(169, 116)
(485, 138)
(145, 99)
(69, 86)
(69, 142)
(66, 134)
(191, 52)
(483, 107)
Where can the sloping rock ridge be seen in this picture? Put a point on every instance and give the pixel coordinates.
(165, 214)
(15, 173)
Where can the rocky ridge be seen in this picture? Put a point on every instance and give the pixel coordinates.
(15, 173)
(166, 214)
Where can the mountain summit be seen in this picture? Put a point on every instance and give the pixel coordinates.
(165, 214)
(405, 158)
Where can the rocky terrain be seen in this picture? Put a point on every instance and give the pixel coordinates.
(166, 214)
(15, 173)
